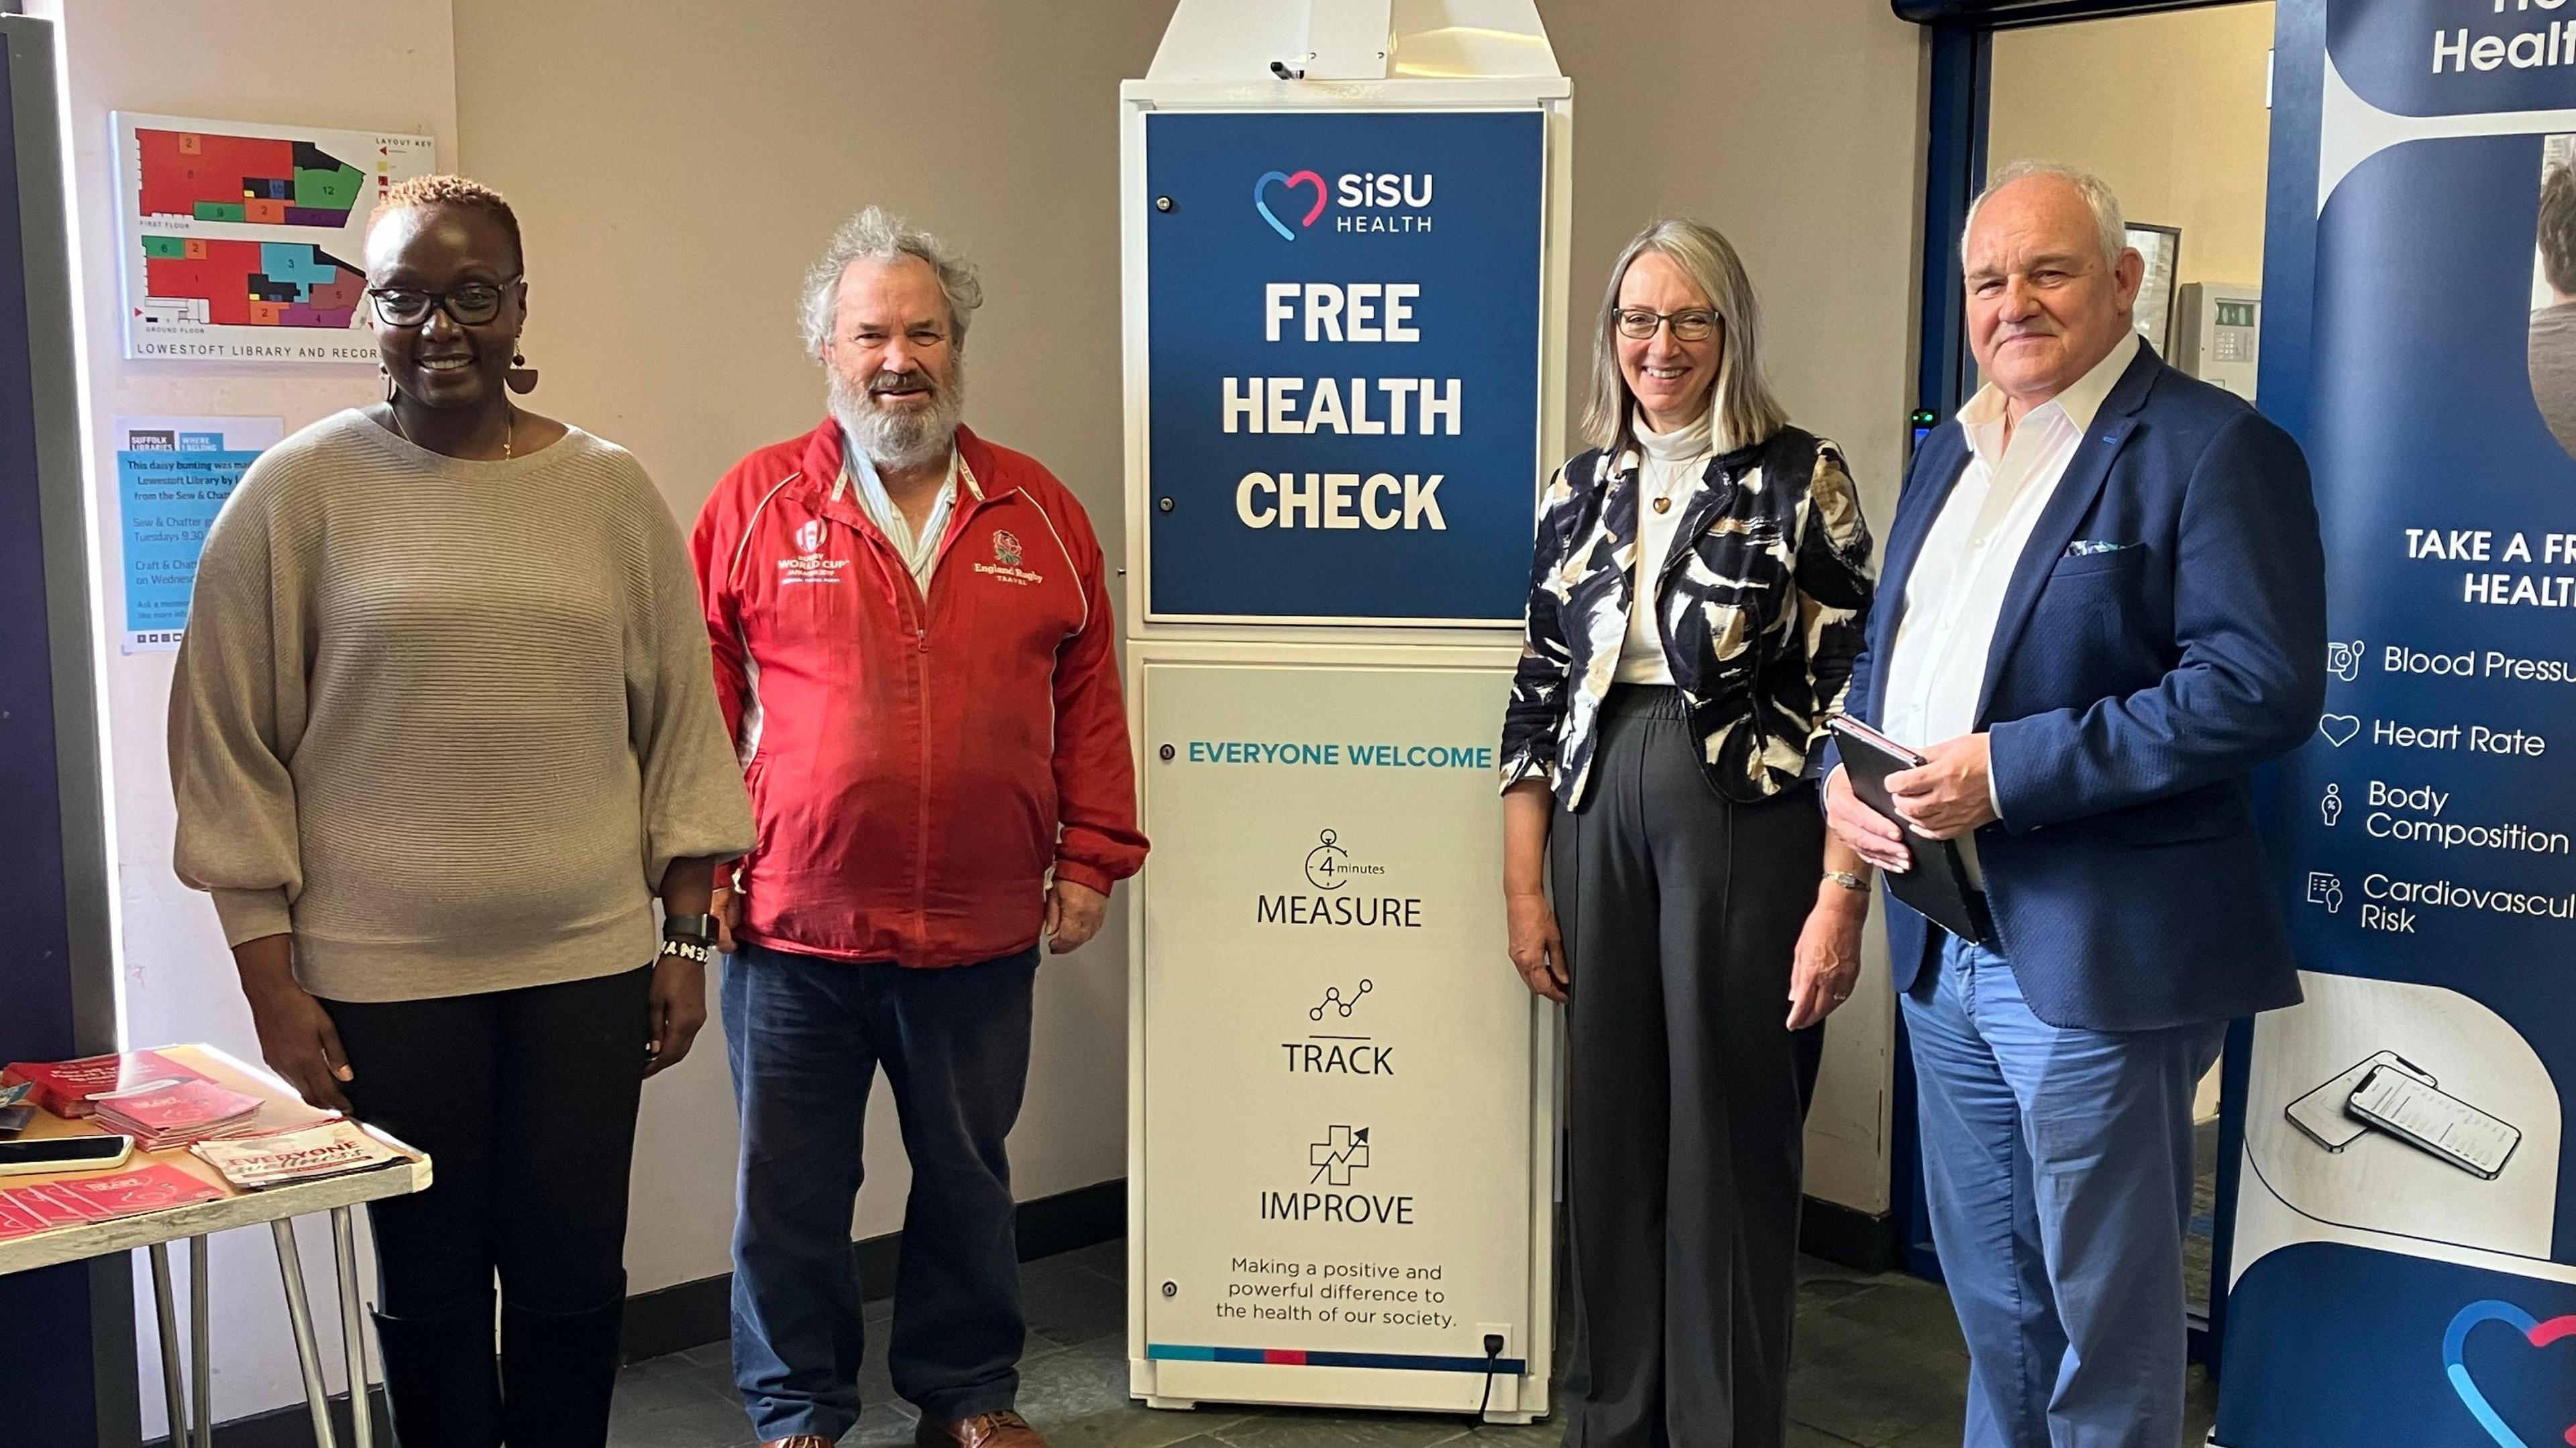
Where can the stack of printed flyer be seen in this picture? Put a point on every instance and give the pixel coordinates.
(334, 1148)
(163, 1114)
(70, 1089)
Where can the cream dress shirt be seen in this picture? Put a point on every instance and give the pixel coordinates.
(1955, 596)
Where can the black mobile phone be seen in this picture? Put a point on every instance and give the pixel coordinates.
(64, 1153)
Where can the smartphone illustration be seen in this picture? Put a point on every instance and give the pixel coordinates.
(2320, 1114)
(2442, 1124)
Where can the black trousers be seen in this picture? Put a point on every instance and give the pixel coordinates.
(526, 1102)
(1687, 1095)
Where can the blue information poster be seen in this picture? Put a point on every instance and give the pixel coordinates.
(2404, 1241)
(1343, 347)
(173, 475)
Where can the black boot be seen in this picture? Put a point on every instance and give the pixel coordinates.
(439, 1381)
(558, 1370)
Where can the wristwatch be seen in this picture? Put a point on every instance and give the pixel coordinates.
(1847, 879)
(694, 929)
(688, 950)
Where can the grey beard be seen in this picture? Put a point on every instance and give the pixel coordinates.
(902, 440)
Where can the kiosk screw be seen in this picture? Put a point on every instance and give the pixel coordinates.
(1163, 503)
(1162, 203)
(1167, 753)
(1171, 1289)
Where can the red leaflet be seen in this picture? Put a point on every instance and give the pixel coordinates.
(65, 1088)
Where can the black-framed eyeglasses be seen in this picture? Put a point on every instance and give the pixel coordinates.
(470, 305)
(1690, 324)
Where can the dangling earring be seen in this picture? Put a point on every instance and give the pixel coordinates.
(385, 375)
(521, 378)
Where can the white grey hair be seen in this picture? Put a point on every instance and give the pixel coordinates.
(2111, 228)
(1742, 408)
(876, 234)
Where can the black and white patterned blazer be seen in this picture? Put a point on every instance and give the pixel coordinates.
(1762, 600)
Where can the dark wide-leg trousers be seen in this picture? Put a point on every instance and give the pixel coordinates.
(1687, 1093)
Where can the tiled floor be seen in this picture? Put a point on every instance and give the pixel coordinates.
(1879, 1365)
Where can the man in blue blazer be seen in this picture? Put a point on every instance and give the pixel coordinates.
(2103, 605)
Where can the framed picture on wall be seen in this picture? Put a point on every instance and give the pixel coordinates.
(2153, 314)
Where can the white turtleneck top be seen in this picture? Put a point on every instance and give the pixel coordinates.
(1671, 462)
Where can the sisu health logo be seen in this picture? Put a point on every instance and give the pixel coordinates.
(1370, 201)
(2455, 1365)
(1292, 184)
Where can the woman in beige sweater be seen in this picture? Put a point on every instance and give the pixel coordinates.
(443, 728)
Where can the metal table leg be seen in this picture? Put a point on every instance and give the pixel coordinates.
(299, 1315)
(168, 1313)
(201, 1352)
(353, 1330)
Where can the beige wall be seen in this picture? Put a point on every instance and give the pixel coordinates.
(2170, 109)
(333, 63)
(1795, 128)
(676, 165)
(675, 168)
(665, 268)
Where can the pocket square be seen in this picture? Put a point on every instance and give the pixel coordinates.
(2087, 547)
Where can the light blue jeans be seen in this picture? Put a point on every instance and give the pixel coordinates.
(2058, 1164)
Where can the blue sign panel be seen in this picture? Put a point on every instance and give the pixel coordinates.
(2405, 1228)
(1343, 338)
(2456, 57)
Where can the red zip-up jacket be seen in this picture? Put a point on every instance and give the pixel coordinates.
(917, 765)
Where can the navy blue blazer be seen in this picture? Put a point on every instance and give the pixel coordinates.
(2133, 685)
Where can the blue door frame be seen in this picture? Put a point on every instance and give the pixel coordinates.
(57, 980)
(1962, 41)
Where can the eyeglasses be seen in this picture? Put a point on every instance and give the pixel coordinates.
(470, 305)
(1690, 324)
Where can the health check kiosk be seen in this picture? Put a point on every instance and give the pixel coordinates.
(1345, 235)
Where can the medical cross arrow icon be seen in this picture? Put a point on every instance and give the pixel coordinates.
(1344, 1150)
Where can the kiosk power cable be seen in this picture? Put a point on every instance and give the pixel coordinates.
(1493, 1364)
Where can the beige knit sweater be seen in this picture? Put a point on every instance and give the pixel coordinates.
(446, 722)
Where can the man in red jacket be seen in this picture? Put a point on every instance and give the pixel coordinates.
(914, 649)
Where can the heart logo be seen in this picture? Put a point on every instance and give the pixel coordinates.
(2539, 1334)
(1261, 200)
(2338, 729)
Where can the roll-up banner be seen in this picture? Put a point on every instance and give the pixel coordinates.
(2403, 1253)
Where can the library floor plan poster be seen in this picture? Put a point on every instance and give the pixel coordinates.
(245, 243)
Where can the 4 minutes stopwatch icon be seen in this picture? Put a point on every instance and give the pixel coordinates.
(1327, 865)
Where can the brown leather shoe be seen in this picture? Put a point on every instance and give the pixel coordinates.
(984, 1430)
(801, 1440)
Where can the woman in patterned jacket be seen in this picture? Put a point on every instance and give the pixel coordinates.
(1701, 579)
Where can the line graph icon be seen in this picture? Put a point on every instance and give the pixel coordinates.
(1334, 1000)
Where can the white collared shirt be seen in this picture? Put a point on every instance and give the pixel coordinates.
(918, 553)
(1955, 596)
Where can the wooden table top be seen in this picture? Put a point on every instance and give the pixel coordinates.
(282, 1109)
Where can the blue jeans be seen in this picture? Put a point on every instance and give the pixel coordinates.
(805, 1038)
(2058, 1163)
